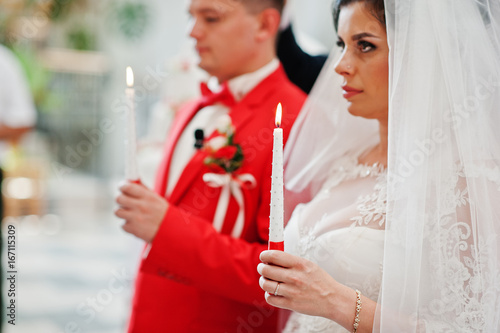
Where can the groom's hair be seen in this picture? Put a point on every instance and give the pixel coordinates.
(255, 6)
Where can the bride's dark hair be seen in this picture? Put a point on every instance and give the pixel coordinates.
(376, 7)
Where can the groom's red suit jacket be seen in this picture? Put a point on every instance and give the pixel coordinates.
(195, 279)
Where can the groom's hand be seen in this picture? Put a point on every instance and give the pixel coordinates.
(142, 209)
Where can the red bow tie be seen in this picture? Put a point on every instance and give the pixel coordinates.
(224, 96)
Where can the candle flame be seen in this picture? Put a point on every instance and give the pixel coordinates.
(130, 77)
(279, 112)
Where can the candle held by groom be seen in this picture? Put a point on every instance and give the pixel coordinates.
(131, 171)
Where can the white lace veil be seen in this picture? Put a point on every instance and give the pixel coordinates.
(441, 269)
(442, 252)
(323, 132)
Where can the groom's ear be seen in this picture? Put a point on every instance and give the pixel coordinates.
(269, 22)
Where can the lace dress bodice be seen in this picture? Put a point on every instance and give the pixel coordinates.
(342, 230)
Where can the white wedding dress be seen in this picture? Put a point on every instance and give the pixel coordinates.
(342, 230)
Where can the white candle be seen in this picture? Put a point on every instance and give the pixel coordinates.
(276, 240)
(131, 172)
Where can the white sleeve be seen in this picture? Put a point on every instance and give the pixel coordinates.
(16, 104)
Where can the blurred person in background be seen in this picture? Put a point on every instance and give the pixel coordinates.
(301, 67)
(17, 117)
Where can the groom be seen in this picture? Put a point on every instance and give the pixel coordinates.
(207, 220)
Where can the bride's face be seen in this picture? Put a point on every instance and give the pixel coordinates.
(364, 62)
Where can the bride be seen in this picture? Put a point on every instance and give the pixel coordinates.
(402, 232)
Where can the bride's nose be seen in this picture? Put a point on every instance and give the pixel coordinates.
(344, 65)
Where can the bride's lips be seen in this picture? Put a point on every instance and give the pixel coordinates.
(350, 92)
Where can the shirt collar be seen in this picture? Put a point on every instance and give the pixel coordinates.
(243, 84)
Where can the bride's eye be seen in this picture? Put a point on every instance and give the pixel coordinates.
(340, 44)
(365, 46)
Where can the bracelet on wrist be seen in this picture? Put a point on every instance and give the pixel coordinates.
(358, 310)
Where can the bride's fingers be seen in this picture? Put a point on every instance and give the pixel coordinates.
(279, 301)
(270, 286)
(272, 272)
(278, 258)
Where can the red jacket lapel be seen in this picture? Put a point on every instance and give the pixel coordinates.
(252, 103)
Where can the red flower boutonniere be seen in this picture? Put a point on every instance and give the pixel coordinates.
(222, 152)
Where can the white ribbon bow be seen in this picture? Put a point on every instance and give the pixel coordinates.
(231, 185)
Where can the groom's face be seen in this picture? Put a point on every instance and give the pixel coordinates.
(225, 33)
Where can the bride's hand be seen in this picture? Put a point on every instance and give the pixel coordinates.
(303, 286)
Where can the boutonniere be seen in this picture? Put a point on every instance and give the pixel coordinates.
(222, 153)
(225, 157)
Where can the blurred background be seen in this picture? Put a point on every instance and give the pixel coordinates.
(75, 266)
